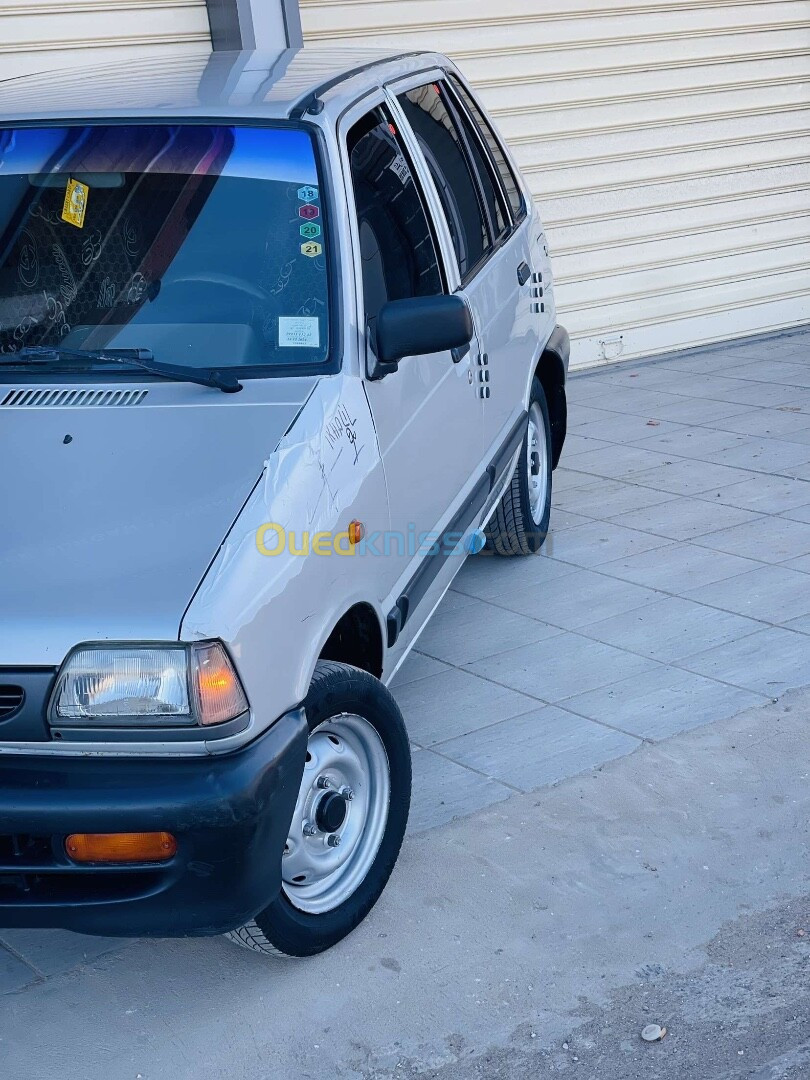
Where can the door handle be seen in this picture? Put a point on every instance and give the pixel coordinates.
(523, 273)
(459, 353)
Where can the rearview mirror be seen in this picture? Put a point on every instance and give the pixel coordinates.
(425, 324)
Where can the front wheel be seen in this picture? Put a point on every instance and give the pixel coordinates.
(349, 820)
(520, 523)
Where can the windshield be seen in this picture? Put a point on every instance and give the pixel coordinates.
(204, 244)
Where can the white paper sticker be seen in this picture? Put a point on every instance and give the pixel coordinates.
(298, 332)
(399, 166)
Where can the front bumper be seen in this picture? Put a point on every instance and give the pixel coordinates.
(229, 813)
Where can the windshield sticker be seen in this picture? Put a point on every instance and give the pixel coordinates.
(298, 332)
(310, 231)
(311, 249)
(75, 206)
(308, 211)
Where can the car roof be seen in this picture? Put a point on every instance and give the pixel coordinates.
(218, 85)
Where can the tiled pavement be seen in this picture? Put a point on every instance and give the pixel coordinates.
(674, 590)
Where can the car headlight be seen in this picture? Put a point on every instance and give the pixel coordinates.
(147, 686)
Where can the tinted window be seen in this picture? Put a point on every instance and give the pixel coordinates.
(507, 176)
(444, 151)
(204, 243)
(498, 218)
(396, 244)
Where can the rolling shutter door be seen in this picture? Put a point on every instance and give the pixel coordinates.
(41, 35)
(668, 146)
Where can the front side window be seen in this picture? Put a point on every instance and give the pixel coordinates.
(204, 244)
(444, 150)
(397, 249)
(508, 180)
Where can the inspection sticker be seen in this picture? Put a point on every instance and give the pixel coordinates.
(75, 206)
(298, 332)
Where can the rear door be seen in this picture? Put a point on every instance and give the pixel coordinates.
(491, 250)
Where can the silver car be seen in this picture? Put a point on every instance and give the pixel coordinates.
(278, 350)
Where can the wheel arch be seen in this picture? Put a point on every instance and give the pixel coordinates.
(356, 639)
(552, 370)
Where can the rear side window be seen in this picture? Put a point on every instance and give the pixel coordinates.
(444, 149)
(508, 180)
(397, 249)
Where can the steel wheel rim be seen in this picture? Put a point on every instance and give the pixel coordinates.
(537, 463)
(346, 751)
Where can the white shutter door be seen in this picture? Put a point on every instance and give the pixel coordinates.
(668, 146)
(41, 35)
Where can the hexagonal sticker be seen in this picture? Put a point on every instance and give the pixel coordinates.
(307, 194)
(308, 211)
(310, 231)
(311, 249)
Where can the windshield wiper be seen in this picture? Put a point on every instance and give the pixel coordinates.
(141, 358)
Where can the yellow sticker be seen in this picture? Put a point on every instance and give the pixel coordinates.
(75, 203)
(311, 250)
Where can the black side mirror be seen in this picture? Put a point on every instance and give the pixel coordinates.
(425, 324)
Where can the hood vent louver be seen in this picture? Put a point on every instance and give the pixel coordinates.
(61, 397)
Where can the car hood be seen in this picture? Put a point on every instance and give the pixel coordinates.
(111, 509)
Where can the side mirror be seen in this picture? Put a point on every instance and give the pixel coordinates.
(425, 324)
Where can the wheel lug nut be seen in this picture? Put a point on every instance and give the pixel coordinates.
(333, 840)
(309, 829)
(347, 793)
(324, 782)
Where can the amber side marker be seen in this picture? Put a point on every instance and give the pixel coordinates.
(357, 531)
(134, 847)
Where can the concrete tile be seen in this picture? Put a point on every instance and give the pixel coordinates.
(764, 455)
(52, 952)
(610, 498)
(678, 568)
(565, 479)
(577, 599)
(14, 974)
(717, 386)
(663, 702)
(773, 594)
(561, 667)
(800, 625)
(690, 442)
(762, 493)
(769, 423)
(671, 629)
(599, 542)
(775, 371)
(417, 666)
(801, 563)
(768, 539)
(685, 477)
(700, 411)
(486, 576)
(444, 790)
(456, 702)
(617, 462)
(618, 428)
(541, 747)
(579, 416)
(703, 362)
(761, 394)
(479, 629)
(683, 518)
(622, 399)
(769, 662)
(576, 444)
(801, 513)
(564, 519)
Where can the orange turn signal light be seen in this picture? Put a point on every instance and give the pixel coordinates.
(357, 531)
(133, 847)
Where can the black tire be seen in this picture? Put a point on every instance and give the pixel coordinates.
(512, 530)
(282, 928)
